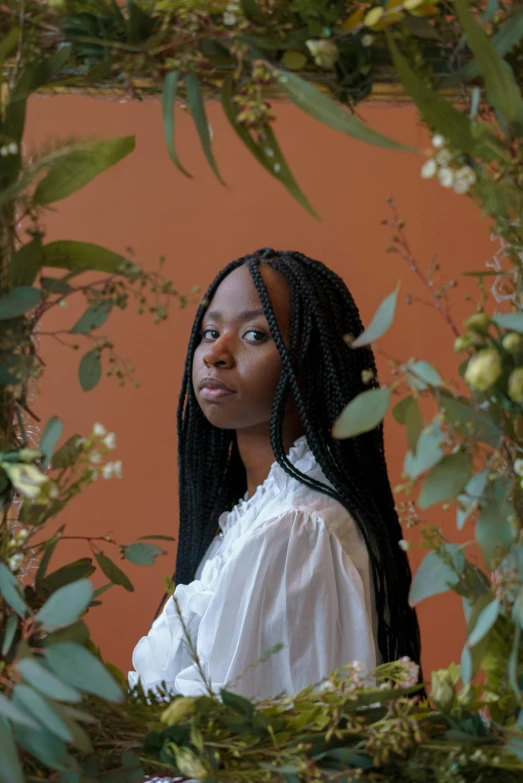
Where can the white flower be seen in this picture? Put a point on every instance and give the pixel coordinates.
(22, 534)
(403, 544)
(428, 169)
(117, 469)
(107, 470)
(95, 457)
(367, 40)
(12, 148)
(93, 473)
(229, 19)
(4, 151)
(446, 177)
(518, 467)
(443, 157)
(53, 492)
(15, 562)
(110, 440)
(438, 141)
(99, 430)
(465, 177)
(357, 666)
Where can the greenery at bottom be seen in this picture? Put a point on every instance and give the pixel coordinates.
(65, 714)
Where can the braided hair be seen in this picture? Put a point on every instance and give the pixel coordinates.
(322, 373)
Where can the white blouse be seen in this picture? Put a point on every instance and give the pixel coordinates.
(288, 566)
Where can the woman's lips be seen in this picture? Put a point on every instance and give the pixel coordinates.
(214, 393)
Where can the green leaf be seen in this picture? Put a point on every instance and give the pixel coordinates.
(55, 285)
(493, 530)
(6, 377)
(80, 739)
(400, 410)
(50, 437)
(253, 12)
(16, 714)
(94, 317)
(67, 454)
(446, 479)
(157, 538)
(84, 163)
(46, 682)
(90, 370)
(473, 493)
(26, 263)
(414, 424)
(277, 168)
(112, 571)
(10, 769)
(142, 554)
(511, 321)
(65, 606)
(464, 416)
(324, 109)
(294, 60)
(428, 451)
(434, 575)
(140, 24)
(420, 375)
(381, 322)
(484, 623)
(363, 413)
(72, 572)
(11, 591)
(195, 103)
(41, 709)
(18, 301)
(67, 254)
(47, 748)
(438, 113)
(80, 668)
(237, 703)
(9, 633)
(502, 89)
(77, 633)
(170, 88)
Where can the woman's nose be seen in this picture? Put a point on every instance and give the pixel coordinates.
(219, 354)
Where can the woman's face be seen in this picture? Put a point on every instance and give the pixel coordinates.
(237, 350)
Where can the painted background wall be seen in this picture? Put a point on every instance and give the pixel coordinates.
(198, 225)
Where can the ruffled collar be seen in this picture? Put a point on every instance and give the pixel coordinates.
(277, 480)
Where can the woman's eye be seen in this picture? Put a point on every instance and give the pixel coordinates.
(258, 337)
(205, 334)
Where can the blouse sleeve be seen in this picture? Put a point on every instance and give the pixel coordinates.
(290, 583)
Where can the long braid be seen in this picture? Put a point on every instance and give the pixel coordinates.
(322, 374)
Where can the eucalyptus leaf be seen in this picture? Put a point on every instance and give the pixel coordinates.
(84, 162)
(50, 437)
(46, 682)
(68, 254)
(94, 317)
(142, 554)
(67, 454)
(42, 710)
(327, 111)
(10, 768)
(421, 374)
(112, 571)
(78, 667)
(15, 714)
(380, 323)
(446, 479)
(428, 451)
(9, 632)
(493, 530)
(47, 748)
(55, 285)
(363, 413)
(71, 572)
(414, 424)
(18, 301)
(484, 623)
(473, 494)
(434, 576)
(510, 321)
(237, 703)
(65, 606)
(11, 591)
(465, 416)
(170, 89)
(26, 263)
(90, 370)
(196, 105)
(80, 738)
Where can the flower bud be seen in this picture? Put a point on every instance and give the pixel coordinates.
(512, 342)
(462, 343)
(442, 690)
(190, 765)
(178, 710)
(518, 467)
(29, 455)
(515, 385)
(484, 369)
(479, 322)
(27, 479)
(325, 52)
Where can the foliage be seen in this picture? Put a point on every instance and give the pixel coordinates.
(63, 713)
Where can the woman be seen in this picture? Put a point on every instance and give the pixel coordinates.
(307, 551)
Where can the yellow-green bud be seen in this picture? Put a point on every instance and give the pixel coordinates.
(466, 696)
(29, 455)
(479, 322)
(190, 765)
(515, 385)
(178, 710)
(483, 369)
(27, 479)
(462, 343)
(442, 690)
(512, 342)
(325, 52)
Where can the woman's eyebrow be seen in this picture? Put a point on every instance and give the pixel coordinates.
(244, 315)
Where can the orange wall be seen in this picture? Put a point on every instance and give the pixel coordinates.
(199, 225)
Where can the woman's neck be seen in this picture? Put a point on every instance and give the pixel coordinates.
(256, 452)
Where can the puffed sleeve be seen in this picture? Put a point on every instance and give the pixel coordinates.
(290, 583)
